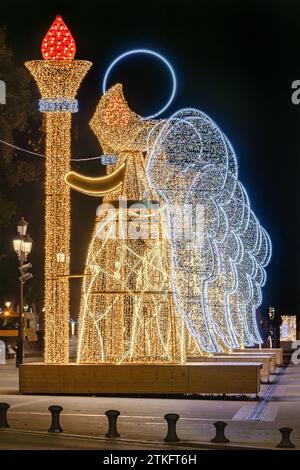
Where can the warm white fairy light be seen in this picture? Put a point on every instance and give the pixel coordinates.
(288, 328)
(127, 311)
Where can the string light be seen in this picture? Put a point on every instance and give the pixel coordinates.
(58, 42)
(96, 186)
(109, 159)
(288, 328)
(58, 78)
(58, 105)
(36, 154)
(152, 53)
(215, 278)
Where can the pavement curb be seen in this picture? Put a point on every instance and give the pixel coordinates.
(178, 445)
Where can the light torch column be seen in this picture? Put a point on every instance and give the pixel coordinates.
(58, 77)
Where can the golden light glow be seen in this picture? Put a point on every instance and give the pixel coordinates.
(288, 328)
(96, 186)
(127, 312)
(57, 80)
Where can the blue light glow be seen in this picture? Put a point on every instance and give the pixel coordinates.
(155, 54)
(58, 105)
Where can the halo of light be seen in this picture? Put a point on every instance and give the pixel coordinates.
(155, 54)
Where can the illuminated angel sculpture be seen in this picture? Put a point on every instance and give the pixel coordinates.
(158, 299)
(127, 310)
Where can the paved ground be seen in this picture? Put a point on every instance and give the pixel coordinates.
(141, 424)
(24, 440)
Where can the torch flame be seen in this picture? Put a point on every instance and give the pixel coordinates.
(58, 44)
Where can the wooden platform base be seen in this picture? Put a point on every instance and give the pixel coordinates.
(265, 361)
(196, 378)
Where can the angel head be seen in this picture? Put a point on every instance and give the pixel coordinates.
(117, 127)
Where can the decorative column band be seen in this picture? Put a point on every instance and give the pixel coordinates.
(58, 105)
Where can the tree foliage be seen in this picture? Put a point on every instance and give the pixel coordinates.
(15, 118)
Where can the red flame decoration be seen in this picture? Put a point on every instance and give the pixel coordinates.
(58, 44)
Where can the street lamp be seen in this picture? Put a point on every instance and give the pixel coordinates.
(22, 227)
(22, 245)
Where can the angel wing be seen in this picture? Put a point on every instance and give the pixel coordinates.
(218, 269)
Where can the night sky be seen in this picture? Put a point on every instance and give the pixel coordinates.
(234, 60)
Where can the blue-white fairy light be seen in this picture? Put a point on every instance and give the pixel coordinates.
(58, 105)
(149, 52)
(216, 285)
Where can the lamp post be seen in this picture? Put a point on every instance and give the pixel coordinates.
(22, 245)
